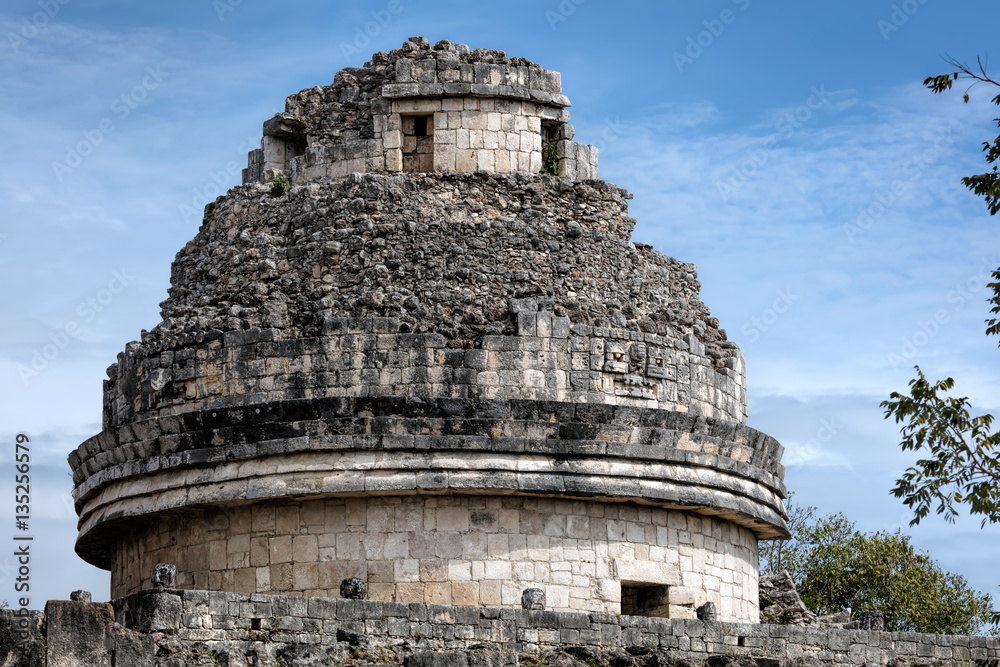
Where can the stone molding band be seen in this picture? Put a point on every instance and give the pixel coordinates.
(390, 446)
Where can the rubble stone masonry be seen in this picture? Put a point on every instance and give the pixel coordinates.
(417, 362)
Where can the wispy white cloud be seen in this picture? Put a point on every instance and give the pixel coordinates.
(790, 221)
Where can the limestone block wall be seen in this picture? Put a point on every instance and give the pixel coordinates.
(468, 134)
(550, 360)
(577, 639)
(465, 550)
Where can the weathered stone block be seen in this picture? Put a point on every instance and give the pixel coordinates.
(22, 638)
(79, 633)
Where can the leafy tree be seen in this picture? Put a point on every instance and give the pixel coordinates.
(985, 185)
(778, 555)
(837, 566)
(963, 465)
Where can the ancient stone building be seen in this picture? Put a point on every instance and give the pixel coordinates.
(431, 367)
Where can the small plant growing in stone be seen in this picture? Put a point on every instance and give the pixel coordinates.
(550, 159)
(279, 185)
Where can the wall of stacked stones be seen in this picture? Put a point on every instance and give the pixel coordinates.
(552, 361)
(469, 134)
(471, 550)
(433, 627)
(538, 267)
(607, 429)
(173, 627)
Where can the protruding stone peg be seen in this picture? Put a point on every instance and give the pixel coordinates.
(533, 598)
(353, 589)
(163, 575)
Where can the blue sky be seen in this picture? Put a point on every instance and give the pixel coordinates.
(786, 148)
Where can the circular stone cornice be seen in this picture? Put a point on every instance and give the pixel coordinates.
(310, 448)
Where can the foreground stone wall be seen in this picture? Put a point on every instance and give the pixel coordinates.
(455, 550)
(172, 628)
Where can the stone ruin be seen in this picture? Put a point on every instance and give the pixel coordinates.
(423, 109)
(780, 604)
(417, 399)
(430, 368)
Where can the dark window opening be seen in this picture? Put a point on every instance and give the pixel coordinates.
(255, 623)
(741, 641)
(550, 133)
(640, 599)
(295, 146)
(418, 143)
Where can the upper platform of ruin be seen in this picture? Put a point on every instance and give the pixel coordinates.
(423, 108)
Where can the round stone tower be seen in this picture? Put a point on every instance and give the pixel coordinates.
(431, 367)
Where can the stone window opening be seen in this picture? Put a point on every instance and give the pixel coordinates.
(643, 599)
(550, 132)
(295, 146)
(280, 150)
(418, 143)
(284, 140)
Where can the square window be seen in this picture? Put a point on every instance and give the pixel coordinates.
(639, 599)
